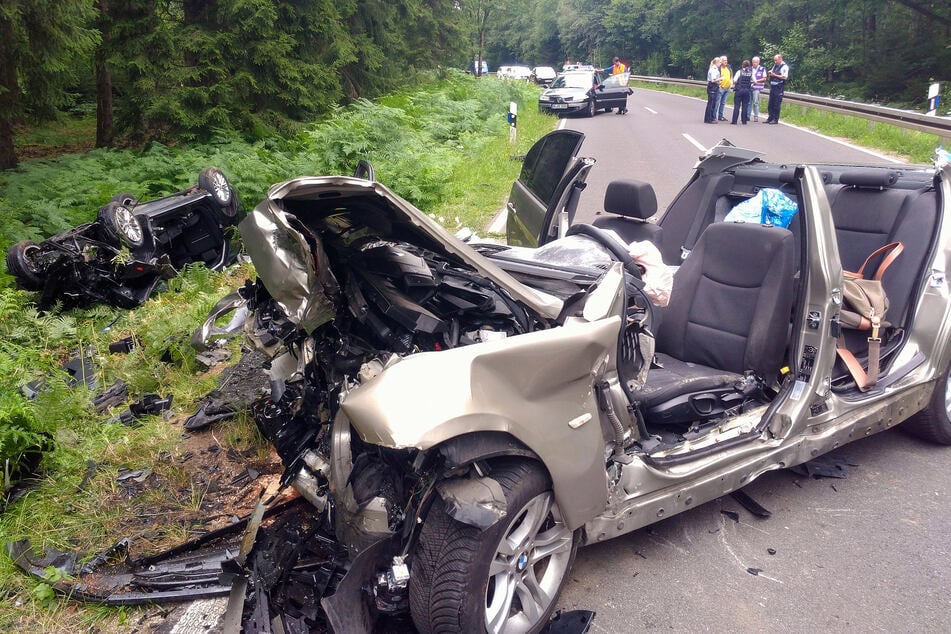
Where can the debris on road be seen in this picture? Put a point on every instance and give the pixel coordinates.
(750, 504)
(833, 465)
(733, 515)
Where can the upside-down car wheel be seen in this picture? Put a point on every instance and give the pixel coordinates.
(503, 579)
(22, 265)
(120, 224)
(213, 181)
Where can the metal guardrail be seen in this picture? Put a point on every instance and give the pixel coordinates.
(940, 126)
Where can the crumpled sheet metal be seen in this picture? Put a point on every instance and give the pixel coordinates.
(232, 302)
(289, 269)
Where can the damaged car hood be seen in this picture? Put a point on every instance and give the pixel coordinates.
(282, 252)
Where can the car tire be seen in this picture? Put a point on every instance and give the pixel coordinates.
(121, 226)
(22, 265)
(591, 109)
(365, 171)
(213, 181)
(452, 585)
(126, 199)
(934, 422)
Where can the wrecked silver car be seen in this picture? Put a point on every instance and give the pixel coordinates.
(131, 247)
(464, 416)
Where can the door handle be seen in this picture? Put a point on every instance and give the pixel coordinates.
(512, 209)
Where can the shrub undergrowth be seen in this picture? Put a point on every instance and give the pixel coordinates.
(443, 146)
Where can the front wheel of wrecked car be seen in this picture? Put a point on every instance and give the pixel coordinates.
(934, 422)
(503, 579)
(213, 181)
(120, 224)
(23, 265)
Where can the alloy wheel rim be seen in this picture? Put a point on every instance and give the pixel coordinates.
(528, 566)
(128, 225)
(220, 184)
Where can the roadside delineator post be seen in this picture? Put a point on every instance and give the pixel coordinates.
(934, 99)
(513, 125)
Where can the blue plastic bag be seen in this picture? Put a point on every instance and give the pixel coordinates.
(768, 206)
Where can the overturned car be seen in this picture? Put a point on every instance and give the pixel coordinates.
(120, 257)
(464, 416)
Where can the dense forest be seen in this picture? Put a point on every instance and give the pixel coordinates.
(173, 70)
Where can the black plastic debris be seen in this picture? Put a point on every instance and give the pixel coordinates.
(245, 477)
(570, 622)
(834, 465)
(238, 386)
(771, 551)
(79, 370)
(148, 404)
(209, 413)
(733, 515)
(124, 345)
(115, 394)
(754, 571)
(750, 504)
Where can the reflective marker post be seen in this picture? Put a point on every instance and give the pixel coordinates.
(934, 99)
(513, 125)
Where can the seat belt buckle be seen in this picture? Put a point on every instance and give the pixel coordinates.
(876, 324)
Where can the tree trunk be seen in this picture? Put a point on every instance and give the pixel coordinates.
(104, 119)
(9, 91)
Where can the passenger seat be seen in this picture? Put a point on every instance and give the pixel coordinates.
(630, 203)
(728, 314)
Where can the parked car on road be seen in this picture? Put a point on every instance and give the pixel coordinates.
(120, 257)
(543, 75)
(517, 71)
(587, 92)
(464, 416)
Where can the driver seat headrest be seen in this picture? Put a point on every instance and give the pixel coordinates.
(631, 198)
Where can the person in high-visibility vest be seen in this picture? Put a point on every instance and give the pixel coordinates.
(616, 68)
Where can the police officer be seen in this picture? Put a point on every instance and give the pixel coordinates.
(713, 90)
(778, 75)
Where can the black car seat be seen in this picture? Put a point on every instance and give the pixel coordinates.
(728, 315)
(630, 203)
(868, 213)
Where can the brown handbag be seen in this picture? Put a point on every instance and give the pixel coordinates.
(863, 308)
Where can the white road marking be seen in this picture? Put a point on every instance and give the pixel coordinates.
(562, 123)
(695, 142)
(649, 110)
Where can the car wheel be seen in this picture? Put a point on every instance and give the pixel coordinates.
(592, 108)
(934, 422)
(22, 264)
(365, 171)
(502, 579)
(213, 181)
(125, 199)
(120, 225)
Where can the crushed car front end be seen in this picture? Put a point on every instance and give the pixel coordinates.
(409, 373)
